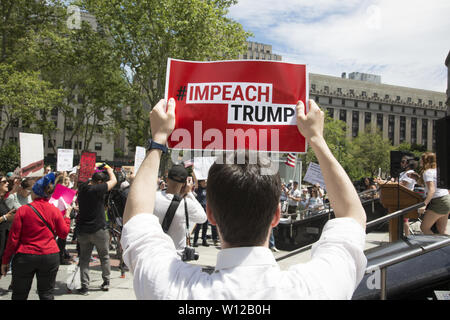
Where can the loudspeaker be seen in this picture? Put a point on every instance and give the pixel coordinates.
(443, 152)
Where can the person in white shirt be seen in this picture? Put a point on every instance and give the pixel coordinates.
(294, 196)
(244, 205)
(437, 201)
(177, 183)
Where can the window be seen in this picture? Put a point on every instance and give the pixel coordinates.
(364, 94)
(330, 101)
(413, 130)
(409, 100)
(386, 97)
(402, 129)
(355, 123)
(375, 95)
(80, 145)
(380, 121)
(367, 119)
(68, 144)
(430, 102)
(391, 124)
(434, 136)
(419, 101)
(98, 146)
(343, 102)
(339, 90)
(326, 89)
(343, 115)
(398, 98)
(440, 103)
(352, 92)
(313, 87)
(330, 112)
(424, 131)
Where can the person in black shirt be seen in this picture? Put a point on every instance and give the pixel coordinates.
(91, 226)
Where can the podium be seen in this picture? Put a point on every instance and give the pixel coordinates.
(395, 197)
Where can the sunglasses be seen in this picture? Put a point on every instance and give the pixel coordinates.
(4, 181)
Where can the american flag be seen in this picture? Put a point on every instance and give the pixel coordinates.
(290, 160)
(188, 163)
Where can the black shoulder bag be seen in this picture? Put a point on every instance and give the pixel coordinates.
(39, 215)
(171, 212)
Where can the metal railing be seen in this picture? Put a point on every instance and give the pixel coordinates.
(384, 265)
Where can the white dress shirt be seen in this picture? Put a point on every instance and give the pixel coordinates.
(177, 230)
(336, 267)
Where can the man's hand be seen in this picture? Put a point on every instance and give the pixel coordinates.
(310, 125)
(162, 123)
(4, 270)
(10, 215)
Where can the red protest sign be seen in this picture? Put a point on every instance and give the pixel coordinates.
(87, 166)
(229, 105)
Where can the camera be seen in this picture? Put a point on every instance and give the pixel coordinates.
(189, 254)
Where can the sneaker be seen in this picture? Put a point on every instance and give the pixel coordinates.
(217, 243)
(205, 244)
(105, 286)
(274, 249)
(83, 291)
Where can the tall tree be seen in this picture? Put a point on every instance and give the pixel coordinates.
(146, 33)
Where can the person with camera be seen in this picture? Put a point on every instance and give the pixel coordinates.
(244, 204)
(91, 227)
(175, 204)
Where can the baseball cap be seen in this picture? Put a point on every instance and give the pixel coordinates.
(9, 174)
(178, 173)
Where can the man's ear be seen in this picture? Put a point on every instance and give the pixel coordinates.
(276, 217)
(210, 216)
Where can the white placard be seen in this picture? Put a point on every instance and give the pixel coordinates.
(314, 175)
(139, 157)
(64, 160)
(201, 167)
(31, 154)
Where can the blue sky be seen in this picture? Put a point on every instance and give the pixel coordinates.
(404, 41)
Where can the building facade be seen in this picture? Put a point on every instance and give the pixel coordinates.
(402, 114)
(259, 51)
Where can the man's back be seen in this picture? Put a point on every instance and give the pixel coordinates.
(91, 216)
(335, 269)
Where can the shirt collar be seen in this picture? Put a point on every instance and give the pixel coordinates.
(244, 256)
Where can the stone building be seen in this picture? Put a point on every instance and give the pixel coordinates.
(402, 114)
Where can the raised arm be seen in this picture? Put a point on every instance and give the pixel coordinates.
(141, 198)
(341, 192)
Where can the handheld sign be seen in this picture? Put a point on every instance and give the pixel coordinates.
(138, 158)
(62, 197)
(87, 166)
(230, 105)
(31, 155)
(64, 160)
(314, 175)
(201, 167)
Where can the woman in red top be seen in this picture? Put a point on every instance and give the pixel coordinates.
(33, 244)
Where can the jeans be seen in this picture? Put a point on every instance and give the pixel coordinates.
(25, 266)
(271, 240)
(87, 241)
(204, 227)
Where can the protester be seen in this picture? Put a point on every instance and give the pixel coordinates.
(283, 197)
(437, 201)
(245, 213)
(92, 228)
(179, 184)
(20, 193)
(6, 214)
(294, 196)
(32, 242)
(200, 191)
(315, 201)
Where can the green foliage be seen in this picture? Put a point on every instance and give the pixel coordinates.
(146, 33)
(9, 157)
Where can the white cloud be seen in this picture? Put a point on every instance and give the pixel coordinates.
(405, 41)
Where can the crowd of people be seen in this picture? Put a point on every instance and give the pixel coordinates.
(239, 205)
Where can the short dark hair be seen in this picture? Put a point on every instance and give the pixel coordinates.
(98, 176)
(242, 200)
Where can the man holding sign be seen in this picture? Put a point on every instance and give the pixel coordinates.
(245, 207)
